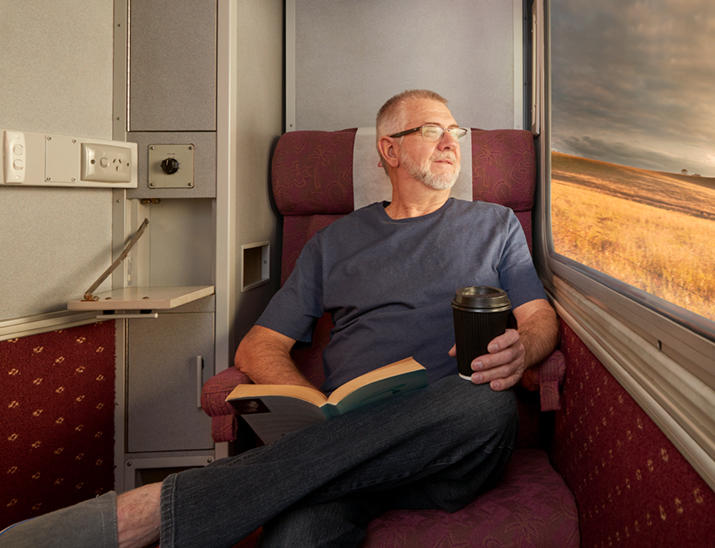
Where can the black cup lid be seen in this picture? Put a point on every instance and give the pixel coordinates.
(481, 296)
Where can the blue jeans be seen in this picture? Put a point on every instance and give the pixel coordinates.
(433, 448)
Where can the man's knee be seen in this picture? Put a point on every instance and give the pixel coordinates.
(469, 405)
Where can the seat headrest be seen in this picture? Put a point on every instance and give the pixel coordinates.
(312, 171)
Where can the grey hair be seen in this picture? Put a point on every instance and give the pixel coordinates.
(392, 116)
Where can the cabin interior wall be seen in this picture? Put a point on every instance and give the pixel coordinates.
(57, 416)
(56, 72)
(350, 57)
(57, 394)
(259, 94)
(632, 486)
(234, 54)
(172, 100)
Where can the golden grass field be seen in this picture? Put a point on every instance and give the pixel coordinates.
(652, 230)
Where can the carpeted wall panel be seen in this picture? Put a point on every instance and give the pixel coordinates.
(632, 486)
(56, 420)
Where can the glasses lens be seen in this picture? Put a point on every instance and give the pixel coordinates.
(432, 133)
(458, 132)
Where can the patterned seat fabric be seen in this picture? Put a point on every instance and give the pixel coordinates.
(312, 185)
(530, 506)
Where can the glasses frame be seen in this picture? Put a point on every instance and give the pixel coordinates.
(444, 130)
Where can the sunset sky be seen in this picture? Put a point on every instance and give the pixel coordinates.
(633, 82)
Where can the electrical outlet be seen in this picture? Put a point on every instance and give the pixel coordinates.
(106, 163)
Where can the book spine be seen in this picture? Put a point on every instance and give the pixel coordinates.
(329, 410)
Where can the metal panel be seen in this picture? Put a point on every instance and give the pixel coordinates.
(204, 164)
(172, 65)
(162, 386)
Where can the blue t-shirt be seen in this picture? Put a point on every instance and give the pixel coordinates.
(388, 284)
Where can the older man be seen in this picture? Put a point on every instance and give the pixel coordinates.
(386, 273)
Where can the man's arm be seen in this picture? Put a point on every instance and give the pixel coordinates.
(264, 355)
(514, 351)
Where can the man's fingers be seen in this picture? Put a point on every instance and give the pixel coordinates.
(491, 375)
(504, 384)
(505, 340)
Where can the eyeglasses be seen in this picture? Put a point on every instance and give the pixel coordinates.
(434, 133)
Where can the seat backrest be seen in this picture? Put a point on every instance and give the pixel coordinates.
(312, 175)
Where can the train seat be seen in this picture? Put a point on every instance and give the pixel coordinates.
(312, 176)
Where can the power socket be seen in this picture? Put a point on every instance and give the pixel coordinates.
(31, 158)
(106, 163)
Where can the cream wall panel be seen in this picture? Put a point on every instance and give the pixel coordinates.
(259, 122)
(352, 56)
(56, 66)
(55, 77)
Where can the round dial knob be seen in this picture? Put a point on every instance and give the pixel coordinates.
(170, 165)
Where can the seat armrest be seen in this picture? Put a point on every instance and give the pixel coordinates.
(547, 377)
(224, 422)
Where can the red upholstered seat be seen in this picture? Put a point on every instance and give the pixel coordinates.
(529, 507)
(312, 185)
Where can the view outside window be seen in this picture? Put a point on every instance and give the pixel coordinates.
(633, 143)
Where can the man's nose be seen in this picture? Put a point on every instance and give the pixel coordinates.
(448, 141)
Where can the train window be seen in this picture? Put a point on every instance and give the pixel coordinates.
(631, 137)
(625, 219)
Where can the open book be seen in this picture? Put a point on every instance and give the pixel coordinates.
(274, 410)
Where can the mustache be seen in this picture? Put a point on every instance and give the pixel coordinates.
(451, 156)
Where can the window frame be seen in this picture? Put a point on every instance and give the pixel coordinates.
(663, 357)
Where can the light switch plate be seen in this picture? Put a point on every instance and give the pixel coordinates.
(184, 175)
(14, 157)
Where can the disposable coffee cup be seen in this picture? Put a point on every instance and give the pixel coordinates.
(480, 314)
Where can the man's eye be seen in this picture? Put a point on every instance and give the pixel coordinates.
(432, 131)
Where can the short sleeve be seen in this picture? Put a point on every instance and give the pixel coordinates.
(297, 306)
(517, 274)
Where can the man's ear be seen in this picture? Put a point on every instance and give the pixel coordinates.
(388, 151)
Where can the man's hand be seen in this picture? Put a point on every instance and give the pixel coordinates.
(504, 366)
(513, 352)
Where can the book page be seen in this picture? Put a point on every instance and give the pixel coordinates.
(382, 389)
(391, 370)
(312, 395)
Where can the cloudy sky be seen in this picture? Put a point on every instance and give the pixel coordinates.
(633, 82)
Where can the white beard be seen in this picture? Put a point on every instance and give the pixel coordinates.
(422, 172)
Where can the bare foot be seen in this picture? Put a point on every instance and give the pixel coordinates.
(139, 516)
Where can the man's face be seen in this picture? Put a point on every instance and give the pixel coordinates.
(433, 163)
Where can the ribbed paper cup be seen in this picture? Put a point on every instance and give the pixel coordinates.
(480, 314)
